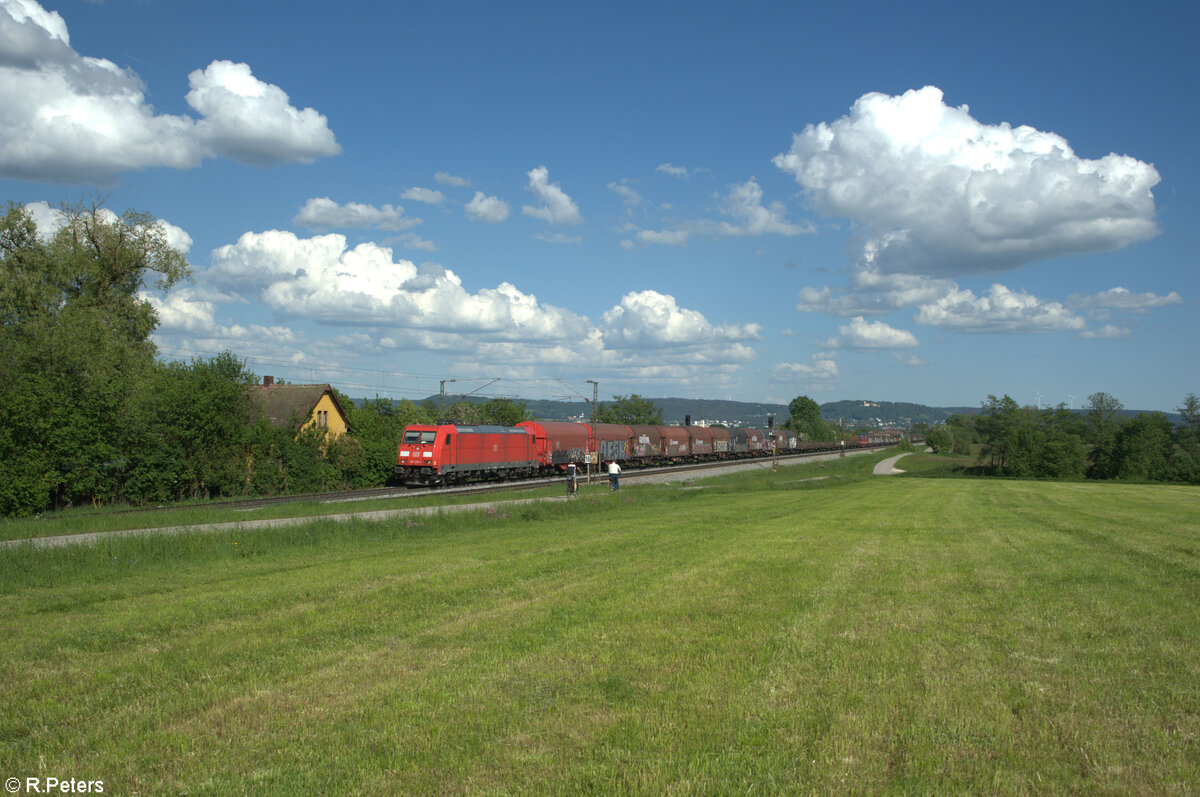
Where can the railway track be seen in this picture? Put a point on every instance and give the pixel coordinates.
(383, 493)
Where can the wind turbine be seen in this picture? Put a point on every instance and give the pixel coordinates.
(1039, 398)
(1072, 404)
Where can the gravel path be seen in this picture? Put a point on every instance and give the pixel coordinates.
(888, 467)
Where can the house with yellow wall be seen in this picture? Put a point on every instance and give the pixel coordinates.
(303, 405)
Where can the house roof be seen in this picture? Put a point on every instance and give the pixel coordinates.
(282, 403)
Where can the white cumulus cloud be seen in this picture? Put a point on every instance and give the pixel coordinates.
(823, 366)
(556, 207)
(254, 122)
(649, 318)
(744, 204)
(491, 209)
(873, 293)
(1123, 299)
(445, 178)
(320, 278)
(1000, 310)
(322, 213)
(936, 192)
(863, 334)
(427, 195)
(65, 117)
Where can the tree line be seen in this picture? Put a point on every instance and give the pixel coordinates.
(1098, 443)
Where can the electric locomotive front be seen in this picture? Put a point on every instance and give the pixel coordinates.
(436, 455)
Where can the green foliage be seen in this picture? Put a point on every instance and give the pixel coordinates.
(495, 412)
(74, 346)
(962, 429)
(192, 426)
(1027, 442)
(940, 440)
(1137, 449)
(805, 419)
(632, 410)
(378, 425)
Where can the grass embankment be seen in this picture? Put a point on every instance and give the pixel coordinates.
(86, 520)
(764, 634)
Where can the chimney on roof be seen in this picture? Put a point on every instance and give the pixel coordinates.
(268, 381)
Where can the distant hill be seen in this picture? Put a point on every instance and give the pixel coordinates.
(730, 413)
(875, 414)
(850, 413)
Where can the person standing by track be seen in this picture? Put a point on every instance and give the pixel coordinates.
(572, 479)
(614, 473)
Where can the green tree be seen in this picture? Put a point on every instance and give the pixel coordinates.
(962, 429)
(1028, 442)
(377, 425)
(504, 412)
(1187, 434)
(1001, 429)
(632, 410)
(805, 419)
(191, 425)
(1103, 417)
(74, 344)
(940, 440)
(496, 412)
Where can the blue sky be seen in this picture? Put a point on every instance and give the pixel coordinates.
(926, 202)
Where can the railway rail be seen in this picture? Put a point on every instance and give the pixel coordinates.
(383, 493)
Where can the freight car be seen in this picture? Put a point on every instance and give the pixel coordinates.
(449, 454)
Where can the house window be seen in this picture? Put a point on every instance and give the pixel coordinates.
(322, 418)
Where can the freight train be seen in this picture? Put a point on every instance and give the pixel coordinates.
(448, 454)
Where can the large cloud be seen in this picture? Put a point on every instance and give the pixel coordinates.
(70, 118)
(320, 278)
(932, 191)
(427, 307)
(254, 122)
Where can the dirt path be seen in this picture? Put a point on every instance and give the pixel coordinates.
(888, 467)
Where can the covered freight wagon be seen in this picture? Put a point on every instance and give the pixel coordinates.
(612, 441)
(646, 443)
(558, 443)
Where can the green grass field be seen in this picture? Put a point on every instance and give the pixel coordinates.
(766, 634)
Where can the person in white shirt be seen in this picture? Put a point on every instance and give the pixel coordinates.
(614, 471)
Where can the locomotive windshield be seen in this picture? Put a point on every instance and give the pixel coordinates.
(415, 436)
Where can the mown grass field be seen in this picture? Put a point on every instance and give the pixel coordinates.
(764, 634)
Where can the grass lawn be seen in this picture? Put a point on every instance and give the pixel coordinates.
(765, 634)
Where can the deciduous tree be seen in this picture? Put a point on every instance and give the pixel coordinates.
(632, 410)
